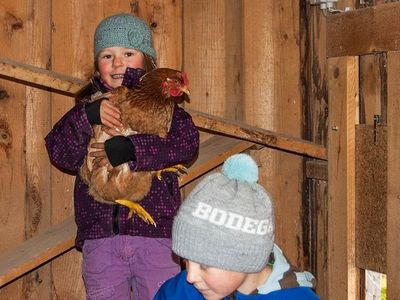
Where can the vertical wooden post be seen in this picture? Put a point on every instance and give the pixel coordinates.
(37, 284)
(272, 100)
(393, 193)
(343, 94)
(314, 69)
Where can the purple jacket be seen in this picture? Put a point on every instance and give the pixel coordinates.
(67, 146)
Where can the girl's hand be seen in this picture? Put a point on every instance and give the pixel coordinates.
(111, 131)
(100, 156)
(110, 116)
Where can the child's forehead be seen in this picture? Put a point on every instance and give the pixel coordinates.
(210, 269)
(117, 49)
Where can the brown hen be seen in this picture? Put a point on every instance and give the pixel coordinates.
(146, 109)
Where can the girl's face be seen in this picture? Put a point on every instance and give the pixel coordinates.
(113, 61)
(214, 283)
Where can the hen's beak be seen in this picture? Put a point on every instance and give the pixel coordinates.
(185, 90)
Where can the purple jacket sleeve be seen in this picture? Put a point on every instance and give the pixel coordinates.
(179, 146)
(67, 141)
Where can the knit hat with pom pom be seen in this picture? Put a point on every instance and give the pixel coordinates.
(227, 221)
(123, 30)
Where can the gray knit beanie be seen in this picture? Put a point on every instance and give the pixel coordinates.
(227, 221)
(123, 30)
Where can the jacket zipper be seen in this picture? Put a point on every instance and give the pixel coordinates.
(115, 219)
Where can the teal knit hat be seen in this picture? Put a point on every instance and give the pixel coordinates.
(123, 30)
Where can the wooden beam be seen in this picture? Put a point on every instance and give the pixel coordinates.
(317, 169)
(70, 85)
(393, 192)
(61, 238)
(45, 78)
(343, 279)
(363, 31)
(258, 135)
(213, 152)
(40, 77)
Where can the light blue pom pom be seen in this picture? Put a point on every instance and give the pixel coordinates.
(241, 167)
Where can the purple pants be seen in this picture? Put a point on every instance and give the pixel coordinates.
(113, 266)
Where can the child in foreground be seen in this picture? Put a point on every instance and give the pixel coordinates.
(225, 232)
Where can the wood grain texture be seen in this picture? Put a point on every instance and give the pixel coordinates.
(272, 101)
(317, 169)
(364, 31)
(205, 60)
(34, 76)
(262, 136)
(14, 17)
(393, 192)
(212, 57)
(373, 88)
(318, 190)
(37, 284)
(314, 89)
(165, 21)
(37, 250)
(343, 278)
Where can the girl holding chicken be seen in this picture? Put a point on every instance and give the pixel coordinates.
(122, 254)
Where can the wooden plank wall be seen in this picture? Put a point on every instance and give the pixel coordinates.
(37, 116)
(212, 56)
(243, 61)
(371, 101)
(272, 100)
(24, 118)
(262, 67)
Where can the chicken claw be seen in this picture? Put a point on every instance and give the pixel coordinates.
(138, 209)
(177, 169)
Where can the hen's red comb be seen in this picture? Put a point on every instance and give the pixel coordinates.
(185, 79)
